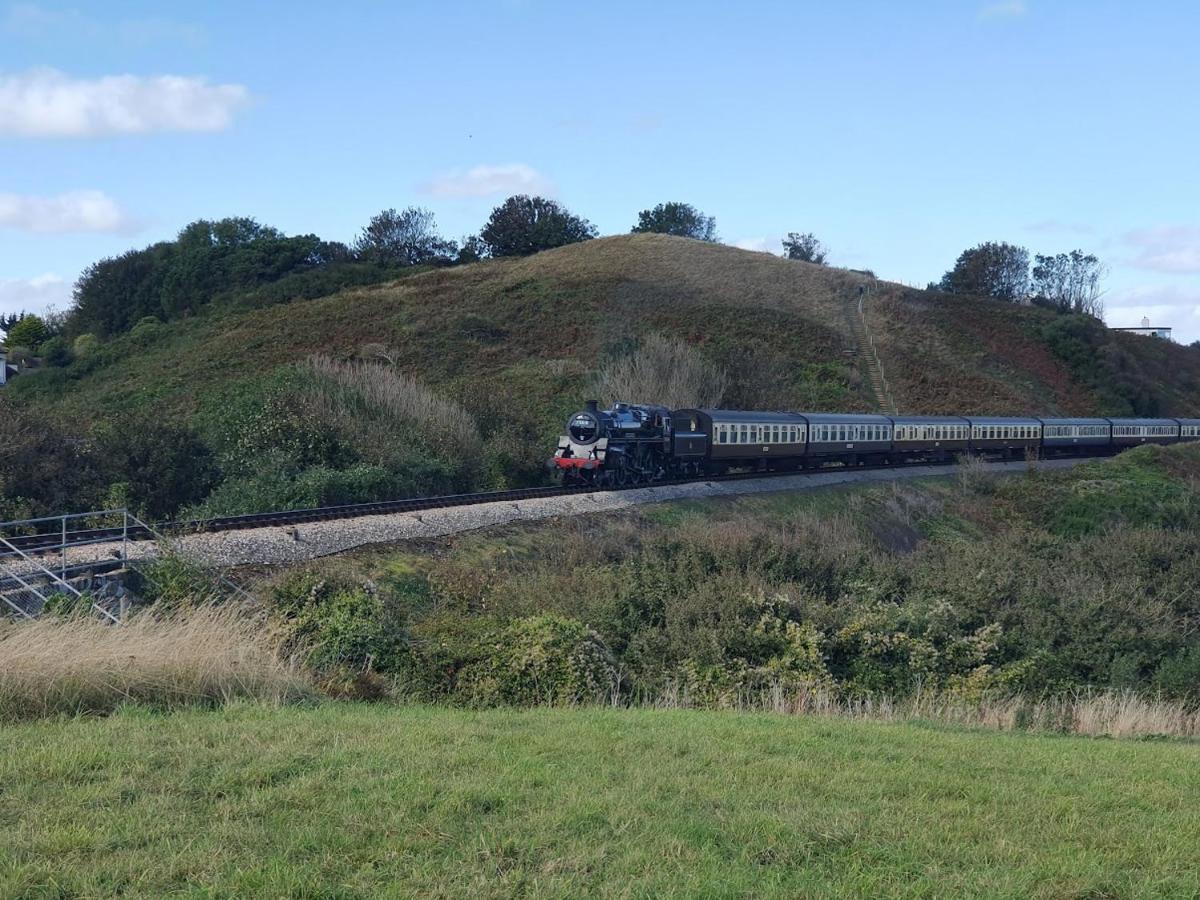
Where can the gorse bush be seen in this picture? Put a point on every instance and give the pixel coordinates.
(339, 626)
(539, 660)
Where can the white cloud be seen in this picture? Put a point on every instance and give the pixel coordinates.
(487, 181)
(1006, 9)
(757, 244)
(1057, 226)
(72, 211)
(48, 103)
(35, 295)
(1174, 249)
(29, 20)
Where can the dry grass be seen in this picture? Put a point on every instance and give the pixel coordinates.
(665, 371)
(209, 656)
(355, 391)
(1116, 714)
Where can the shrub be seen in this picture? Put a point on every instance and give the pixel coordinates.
(56, 352)
(146, 329)
(1179, 675)
(161, 466)
(540, 660)
(85, 344)
(341, 627)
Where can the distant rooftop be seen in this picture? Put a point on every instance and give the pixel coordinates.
(1158, 331)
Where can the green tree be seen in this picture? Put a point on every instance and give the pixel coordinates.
(522, 225)
(472, 249)
(29, 331)
(993, 269)
(405, 238)
(804, 247)
(1069, 282)
(175, 279)
(679, 219)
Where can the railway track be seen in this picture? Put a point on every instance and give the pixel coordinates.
(37, 543)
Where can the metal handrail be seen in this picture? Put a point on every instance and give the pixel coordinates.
(56, 580)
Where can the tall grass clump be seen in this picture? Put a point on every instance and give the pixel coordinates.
(78, 665)
(354, 391)
(663, 370)
(1103, 713)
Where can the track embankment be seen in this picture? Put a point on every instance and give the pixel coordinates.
(278, 545)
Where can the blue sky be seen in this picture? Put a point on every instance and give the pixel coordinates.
(901, 133)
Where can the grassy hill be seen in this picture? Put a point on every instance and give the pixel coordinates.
(552, 318)
(516, 345)
(365, 801)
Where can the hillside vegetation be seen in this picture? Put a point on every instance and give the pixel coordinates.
(1036, 585)
(368, 801)
(515, 344)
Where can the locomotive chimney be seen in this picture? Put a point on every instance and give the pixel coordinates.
(592, 407)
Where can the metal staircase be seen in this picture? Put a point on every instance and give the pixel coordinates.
(84, 558)
(27, 586)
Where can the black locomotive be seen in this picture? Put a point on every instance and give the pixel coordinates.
(635, 444)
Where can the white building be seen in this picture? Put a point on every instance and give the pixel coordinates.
(1148, 330)
(3, 369)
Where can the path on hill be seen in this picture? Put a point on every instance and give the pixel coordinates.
(856, 313)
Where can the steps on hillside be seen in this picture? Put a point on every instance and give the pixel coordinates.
(856, 312)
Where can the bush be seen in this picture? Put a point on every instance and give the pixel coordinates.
(85, 344)
(146, 330)
(540, 660)
(56, 352)
(158, 466)
(340, 626)
(1179, 675)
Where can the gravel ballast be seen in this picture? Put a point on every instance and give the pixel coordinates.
(283, 545)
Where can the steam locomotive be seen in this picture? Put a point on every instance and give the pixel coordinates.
(637, 443)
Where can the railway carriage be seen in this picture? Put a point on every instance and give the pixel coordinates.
(930, 437)
(1005, 437)
(1134, 432)
(1066, 437)
(848, 438)
(1189, 429)
(766, 441)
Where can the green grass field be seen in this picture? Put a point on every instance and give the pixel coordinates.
(356, 801)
